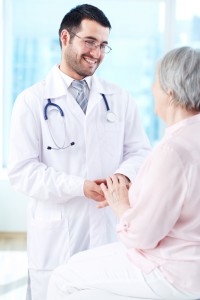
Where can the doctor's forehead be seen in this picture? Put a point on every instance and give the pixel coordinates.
(92, 28)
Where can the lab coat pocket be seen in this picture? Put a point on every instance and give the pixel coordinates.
(114, 134)
(48, 242)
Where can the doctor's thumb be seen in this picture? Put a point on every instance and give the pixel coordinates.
(98, 190)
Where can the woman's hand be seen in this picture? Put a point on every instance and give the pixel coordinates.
(116, 194)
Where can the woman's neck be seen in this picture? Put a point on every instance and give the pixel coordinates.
(177, 114)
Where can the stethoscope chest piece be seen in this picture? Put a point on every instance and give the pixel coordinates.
(111, 117)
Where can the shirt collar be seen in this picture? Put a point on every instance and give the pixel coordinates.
(68, 80)
(56, 84)
(173, 128)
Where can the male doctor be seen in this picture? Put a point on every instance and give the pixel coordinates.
(66, 137)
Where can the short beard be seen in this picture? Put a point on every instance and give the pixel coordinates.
(70, 59)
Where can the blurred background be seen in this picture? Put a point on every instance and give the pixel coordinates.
(142, 31)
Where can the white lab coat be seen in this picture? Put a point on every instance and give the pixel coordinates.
(61, 221)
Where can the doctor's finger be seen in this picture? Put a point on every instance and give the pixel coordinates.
(102, 204)
(98, 189)
(99, 181)
(97, 197)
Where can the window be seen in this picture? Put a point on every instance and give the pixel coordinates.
(188, 23)
(142, 30)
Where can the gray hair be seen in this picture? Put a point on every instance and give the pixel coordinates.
(179, 72)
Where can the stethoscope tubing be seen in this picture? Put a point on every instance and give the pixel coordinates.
(106, 102)
(111, 117)
(49, 103)
(52, 104)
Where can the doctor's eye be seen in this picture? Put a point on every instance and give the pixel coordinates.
(104, 48)
(91, 44)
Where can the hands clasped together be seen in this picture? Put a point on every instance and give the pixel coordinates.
(112, 191)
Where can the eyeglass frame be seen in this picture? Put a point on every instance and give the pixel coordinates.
(92, 44)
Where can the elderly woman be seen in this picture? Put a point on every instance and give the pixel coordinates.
(158, 256)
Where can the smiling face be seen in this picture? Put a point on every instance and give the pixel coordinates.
(78, 61)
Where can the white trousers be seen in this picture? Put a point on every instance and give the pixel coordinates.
(108, 270)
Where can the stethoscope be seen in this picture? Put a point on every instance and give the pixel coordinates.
(110, 117)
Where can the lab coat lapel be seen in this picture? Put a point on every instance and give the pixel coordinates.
(97, 88)
(74, 107)
(94, 99)
(55, 87)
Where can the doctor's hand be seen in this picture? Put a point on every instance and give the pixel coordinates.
(99, 181)
(93, 191)
(116, 194)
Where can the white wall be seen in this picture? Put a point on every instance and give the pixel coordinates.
(12, 209)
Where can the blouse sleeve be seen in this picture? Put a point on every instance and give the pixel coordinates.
(156, 198)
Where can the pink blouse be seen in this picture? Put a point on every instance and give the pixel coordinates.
(162, 227)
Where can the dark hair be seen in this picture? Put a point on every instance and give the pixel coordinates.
(76, 15)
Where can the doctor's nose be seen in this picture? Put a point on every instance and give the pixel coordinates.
(96, 51)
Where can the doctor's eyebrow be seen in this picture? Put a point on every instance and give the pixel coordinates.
(94, 39)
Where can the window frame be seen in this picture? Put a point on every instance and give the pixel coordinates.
(5, 108)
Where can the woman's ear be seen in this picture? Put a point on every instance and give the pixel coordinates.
(170, 93)
(171, 96)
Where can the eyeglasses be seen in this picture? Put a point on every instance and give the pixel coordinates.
(90, 44)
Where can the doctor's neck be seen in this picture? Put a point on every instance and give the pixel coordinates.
(71, 74)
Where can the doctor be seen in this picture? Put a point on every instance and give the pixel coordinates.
(58, 151)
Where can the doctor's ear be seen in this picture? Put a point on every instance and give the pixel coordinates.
(64, 37)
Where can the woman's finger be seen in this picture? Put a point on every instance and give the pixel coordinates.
(109, 183)
(121, 179)
(115, 180)
(104, 188)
